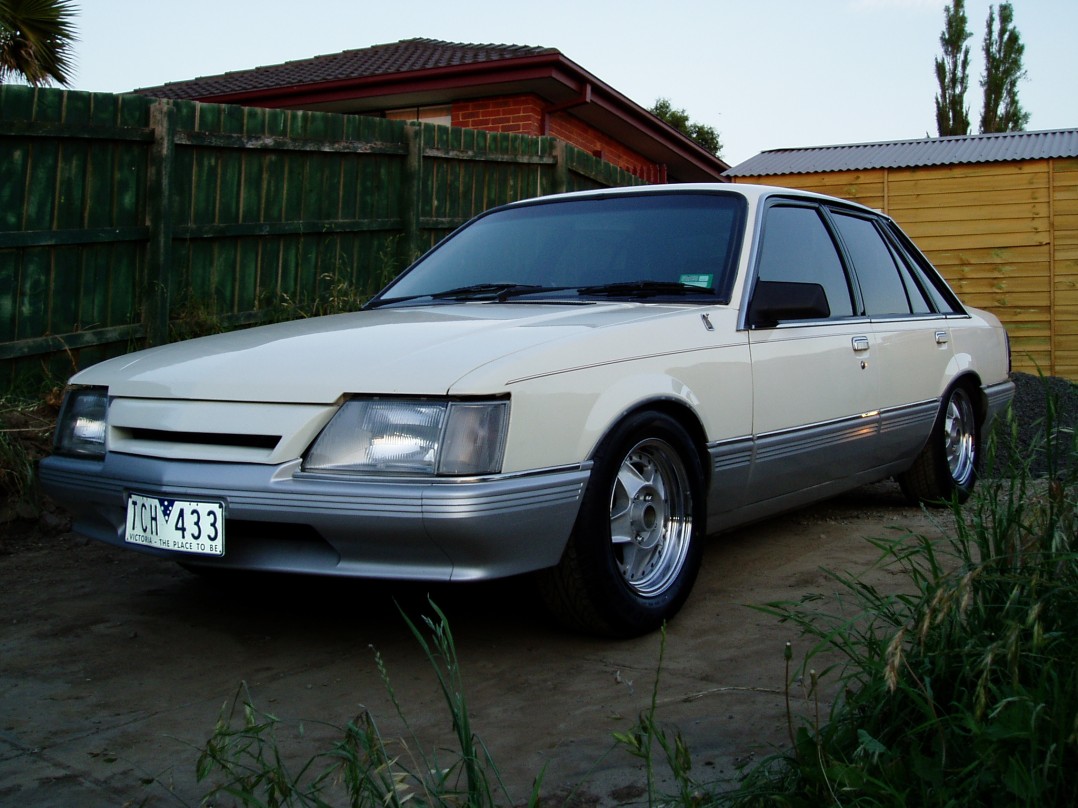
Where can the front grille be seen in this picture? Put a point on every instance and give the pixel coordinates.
(266, 442)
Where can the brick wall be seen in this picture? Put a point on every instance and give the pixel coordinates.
(523, 114)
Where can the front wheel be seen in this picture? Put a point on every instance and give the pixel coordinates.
(947, 467)
(635, 550)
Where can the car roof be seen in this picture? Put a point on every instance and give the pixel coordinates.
(752, 193)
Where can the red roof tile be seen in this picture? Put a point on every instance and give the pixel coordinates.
(397, 57)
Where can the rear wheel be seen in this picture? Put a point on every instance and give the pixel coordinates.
(947, 466)
(635, 549)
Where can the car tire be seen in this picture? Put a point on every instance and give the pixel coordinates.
(635, 549)
(946, 469)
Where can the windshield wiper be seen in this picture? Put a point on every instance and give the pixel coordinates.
(475, 291)
(493, 291)
(645, 289)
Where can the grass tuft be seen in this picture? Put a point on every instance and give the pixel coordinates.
(958, 687)
(243, 757)
(25, 437)
(961, 688)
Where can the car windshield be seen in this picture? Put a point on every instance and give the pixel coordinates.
(657, 245)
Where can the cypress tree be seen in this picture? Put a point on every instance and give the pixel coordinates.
(1003, 69)
(952, 72)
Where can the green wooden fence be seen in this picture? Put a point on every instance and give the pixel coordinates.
(122, 217)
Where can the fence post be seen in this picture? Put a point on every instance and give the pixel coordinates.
(561, 167)
(411, 209)
(155, 292)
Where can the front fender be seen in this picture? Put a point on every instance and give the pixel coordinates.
(560, 419)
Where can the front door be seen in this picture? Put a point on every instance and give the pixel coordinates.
(815, 381)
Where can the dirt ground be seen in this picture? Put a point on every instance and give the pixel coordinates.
(114, 666)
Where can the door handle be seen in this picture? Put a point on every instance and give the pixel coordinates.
(942, 337)
(860, 344)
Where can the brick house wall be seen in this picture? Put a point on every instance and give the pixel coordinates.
(524, 114)
(520, 114)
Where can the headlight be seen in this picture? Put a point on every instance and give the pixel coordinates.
(451, 438)
(80, 430)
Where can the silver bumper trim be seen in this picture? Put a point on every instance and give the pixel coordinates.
(436, 529)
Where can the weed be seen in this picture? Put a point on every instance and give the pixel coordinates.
(197, 317)
(389, 263)
(16, 468)
(962, 687)
(640, 741)
(959, 688)
(245, 757)
(25, 430)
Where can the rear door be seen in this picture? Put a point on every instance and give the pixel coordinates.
(912, 335)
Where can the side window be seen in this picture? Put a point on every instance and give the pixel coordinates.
(919, 300)
(797, 248)
(928, 279)
(877, 273)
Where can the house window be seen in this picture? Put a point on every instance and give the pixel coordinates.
(443, 116)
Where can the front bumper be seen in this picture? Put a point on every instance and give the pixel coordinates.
(279, 518)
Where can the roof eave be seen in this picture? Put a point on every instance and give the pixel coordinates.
(551, 75)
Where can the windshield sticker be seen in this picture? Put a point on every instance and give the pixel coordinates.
(703, 281)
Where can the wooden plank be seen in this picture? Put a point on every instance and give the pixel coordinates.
(65, 300)
(14, 170)
(1006, 286)
(865, 187)
(16, 104)
(32, 294)
(65, 131)
(71, 341)
(44, 238)
(126, 266)
(977, 215)
(10, 274)
(998, 263)
(947, 196)
(155, 302)
(464, 155)
(977, 172)
(41, 173)
(932, 243)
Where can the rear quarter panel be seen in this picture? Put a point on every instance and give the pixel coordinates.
(981, 345)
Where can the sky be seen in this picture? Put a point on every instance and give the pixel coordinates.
(765, 74)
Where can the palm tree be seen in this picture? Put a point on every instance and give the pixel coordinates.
(35, 40)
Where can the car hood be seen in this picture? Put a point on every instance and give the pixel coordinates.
(387, 351)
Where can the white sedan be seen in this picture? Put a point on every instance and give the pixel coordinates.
(580, 386)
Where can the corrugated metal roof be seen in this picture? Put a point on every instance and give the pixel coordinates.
(994, 148)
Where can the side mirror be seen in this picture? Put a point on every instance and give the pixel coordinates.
(775, 301)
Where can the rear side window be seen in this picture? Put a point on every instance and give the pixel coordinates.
(916, 288)
(926, 276)
(882, 287)
(796, 247)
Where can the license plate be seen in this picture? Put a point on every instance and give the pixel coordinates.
(176, 524)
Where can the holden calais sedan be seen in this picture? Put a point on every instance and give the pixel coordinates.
(581, 387)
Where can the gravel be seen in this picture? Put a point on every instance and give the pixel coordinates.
(1025, 440)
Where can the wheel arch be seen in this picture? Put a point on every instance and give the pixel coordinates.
(971, 381)
(595, 588)
(679, 411)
